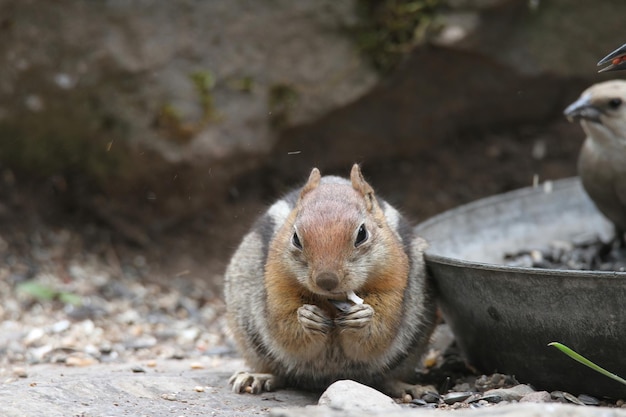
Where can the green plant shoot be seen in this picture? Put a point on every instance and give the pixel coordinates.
(579, 358)
(44, 293)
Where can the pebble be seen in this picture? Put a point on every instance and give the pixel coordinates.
(79, 361)
(20, 372)
(511, 394)
(34, 335)
(536, 397)
(351, 396)
(493, 381)
(60, 326)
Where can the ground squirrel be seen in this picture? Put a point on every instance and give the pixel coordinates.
(293, 292)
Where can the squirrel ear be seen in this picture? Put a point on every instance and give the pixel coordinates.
(312, 182)
(359, 184)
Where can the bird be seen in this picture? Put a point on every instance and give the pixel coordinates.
(616, 60)
(601, 111)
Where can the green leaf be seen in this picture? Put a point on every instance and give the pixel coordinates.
(37, 290)
(579, 358)
(44, 293)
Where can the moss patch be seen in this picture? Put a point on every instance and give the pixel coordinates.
(170, 121)
(389, 29)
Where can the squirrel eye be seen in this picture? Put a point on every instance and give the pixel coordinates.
(295, 240)
(361, 236)
(615, 103)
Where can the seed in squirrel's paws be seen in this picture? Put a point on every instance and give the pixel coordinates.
(354, 298)
(342, 306)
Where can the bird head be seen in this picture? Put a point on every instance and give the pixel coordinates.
(616, 60)
(601, 110)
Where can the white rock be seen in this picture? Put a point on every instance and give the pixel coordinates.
(33, 336)
(60, 326)
(349, 395)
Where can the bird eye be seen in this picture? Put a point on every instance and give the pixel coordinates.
(361, 236)
(614, 103)
(295, 241)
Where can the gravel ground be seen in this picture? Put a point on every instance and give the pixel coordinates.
(64, 303)
(78, 299)
(67, 303)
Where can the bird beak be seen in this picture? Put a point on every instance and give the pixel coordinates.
(617, 60)
(583, 109)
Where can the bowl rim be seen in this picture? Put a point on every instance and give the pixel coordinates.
(548, 186)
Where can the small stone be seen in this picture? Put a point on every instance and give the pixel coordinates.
(463, 387)
(61, 326)
(79, 361)
(196, 365)
(407, 398)
(511, 394)
(151, 364)
(198, 388)
(493, 381)
(20, 372)
(536, 256)
(144, 342)
(536, 397)
(33, 336)
(188, 335)
(169, 396)
(349, 395)
(137, 369)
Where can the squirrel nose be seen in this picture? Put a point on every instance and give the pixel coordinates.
(327, 280)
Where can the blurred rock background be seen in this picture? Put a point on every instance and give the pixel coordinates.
(171, 124)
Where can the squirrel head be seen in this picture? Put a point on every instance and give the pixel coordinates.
(337, 236)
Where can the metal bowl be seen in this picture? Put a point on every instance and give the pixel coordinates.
(503, 317)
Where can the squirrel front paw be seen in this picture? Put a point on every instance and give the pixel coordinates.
(357, 317)
(314, 320)
(252, 383)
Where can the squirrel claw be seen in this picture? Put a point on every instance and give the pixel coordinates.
(399, 389)
(252, 383)
(357, 317)
(313, 319)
